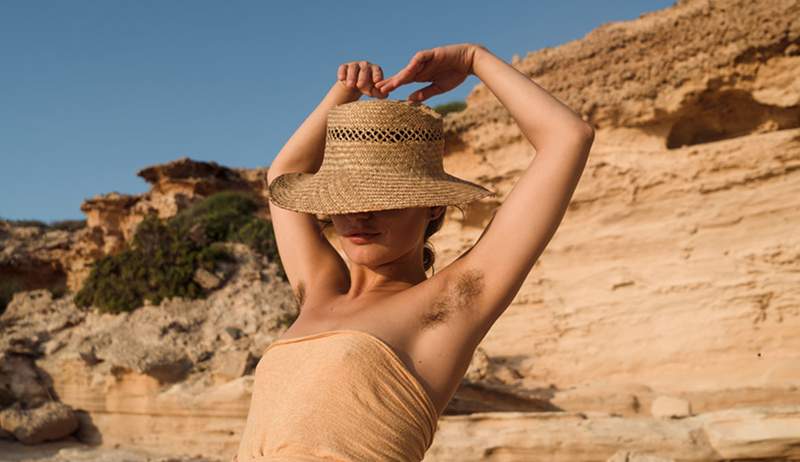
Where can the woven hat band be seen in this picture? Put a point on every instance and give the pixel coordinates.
(413, 159)
(383, 134)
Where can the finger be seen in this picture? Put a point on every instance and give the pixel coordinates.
(382, 83)
(375, 93)
(404, 76)
(364, 78)
(363, 75)
(352, 74)
(424, 93)
(423, 56)
(377, 74)
(382, 90)
(377, 77)
(341, 73)
(407, 74)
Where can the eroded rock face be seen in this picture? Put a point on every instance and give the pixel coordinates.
(676, 264)
(675, 272)
(162, 363)
(570, 436)
(698, 72)
(659, 324)
(28, 411)
(174, 186)
(50, 421)
(33, 257)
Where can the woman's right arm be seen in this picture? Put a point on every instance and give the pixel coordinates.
(304, 150)
(310, 262)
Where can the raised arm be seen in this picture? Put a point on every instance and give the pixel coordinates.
(498, 263)
(311, 263)
(523, 225)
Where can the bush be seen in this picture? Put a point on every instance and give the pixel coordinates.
(163, 256)
(68, 225)
(454, 106)
(228, 217)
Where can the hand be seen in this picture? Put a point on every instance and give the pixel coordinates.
(446, 67)
(361, 76)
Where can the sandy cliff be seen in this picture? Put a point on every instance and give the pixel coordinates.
(659, 324)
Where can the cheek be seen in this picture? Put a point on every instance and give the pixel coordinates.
(402, 237)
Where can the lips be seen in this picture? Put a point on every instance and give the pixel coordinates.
(360, 234)
(361, 238)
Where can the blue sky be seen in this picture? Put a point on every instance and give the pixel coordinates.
(93, 91)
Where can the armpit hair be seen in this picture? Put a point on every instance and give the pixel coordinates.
(300, 294)
(457, 300)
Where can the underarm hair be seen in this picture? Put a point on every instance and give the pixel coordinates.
(300, 294)
(457, 300)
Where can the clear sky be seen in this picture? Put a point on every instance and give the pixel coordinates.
(93, 91)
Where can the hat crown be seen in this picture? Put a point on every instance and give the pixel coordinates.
(390, 137)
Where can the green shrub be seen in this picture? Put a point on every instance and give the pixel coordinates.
(453, 106)
(68, 225)
(228, 217)
(58, 290)
(163, 256)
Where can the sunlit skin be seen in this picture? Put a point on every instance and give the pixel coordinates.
(392, 260)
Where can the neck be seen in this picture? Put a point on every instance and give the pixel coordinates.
(394, 276)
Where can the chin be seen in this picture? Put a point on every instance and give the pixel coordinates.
(363, 256)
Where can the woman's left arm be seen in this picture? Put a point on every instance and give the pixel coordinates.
(526, 221)
(523, 225)
(487, 277)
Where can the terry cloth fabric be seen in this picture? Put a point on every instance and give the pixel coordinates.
(342, 396)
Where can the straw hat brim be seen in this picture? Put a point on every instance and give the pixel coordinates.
(323, 193)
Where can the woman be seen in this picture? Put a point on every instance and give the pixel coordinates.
(379, 348)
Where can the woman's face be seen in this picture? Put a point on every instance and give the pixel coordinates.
(391, 234)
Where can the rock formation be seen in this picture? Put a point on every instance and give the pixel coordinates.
(41, 258)
(660, 324)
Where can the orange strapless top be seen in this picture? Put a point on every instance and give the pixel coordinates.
(342, 395)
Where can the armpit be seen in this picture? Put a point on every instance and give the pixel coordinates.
(458, 300)
(300, 294)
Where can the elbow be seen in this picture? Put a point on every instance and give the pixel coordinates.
(576, 134)
(586, 130)
(578, 130)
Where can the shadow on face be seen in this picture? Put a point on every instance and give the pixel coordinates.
(391, 234)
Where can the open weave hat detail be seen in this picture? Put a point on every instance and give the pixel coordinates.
(379, 154)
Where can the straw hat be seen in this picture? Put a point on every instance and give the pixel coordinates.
(379, 154)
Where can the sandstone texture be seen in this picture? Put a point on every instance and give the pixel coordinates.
(660, 324)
